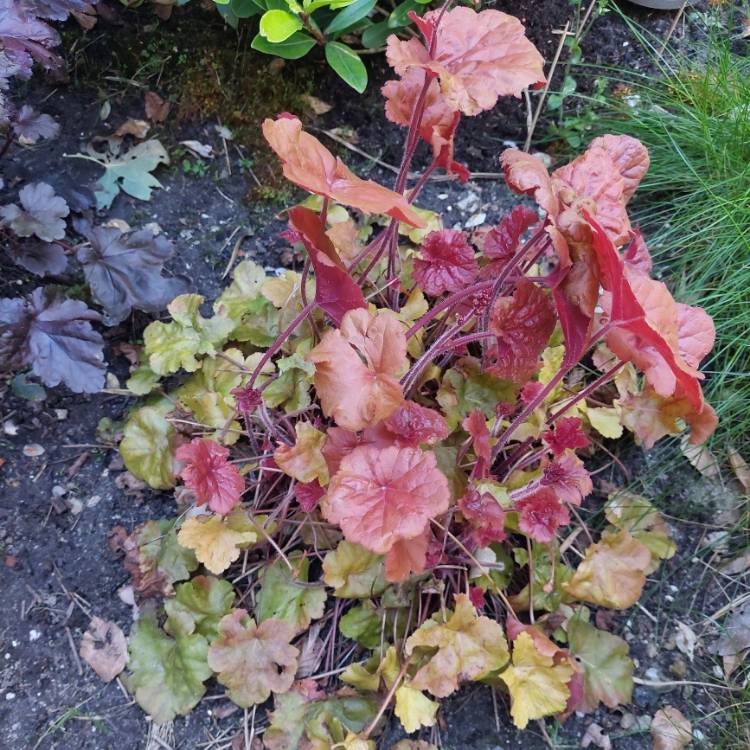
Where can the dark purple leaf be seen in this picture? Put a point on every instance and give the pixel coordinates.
(30, 125)
(25, 38)
(52, 335)
(125, 271)
(57, 10)
(42, 213)
(39, 257)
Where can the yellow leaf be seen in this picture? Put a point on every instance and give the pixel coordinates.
(216, 541)
(468, 648)
(414, 709)
(354, 742)
(605, 420)
(613, 572)
(354, 572)
(304, 460)
(279, 290)
(538, 687)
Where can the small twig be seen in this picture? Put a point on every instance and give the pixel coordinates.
(244, 234)
(76, 658)
(672, 27)
(680, 683)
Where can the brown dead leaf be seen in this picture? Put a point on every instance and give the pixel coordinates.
(86, 17)
(318, 106)
(156, 108)
(701, 458)
(594, 735)
(740, 468)
(686, 640)
(104, 648)
(738, 565)
(137, 128)
(670, 730)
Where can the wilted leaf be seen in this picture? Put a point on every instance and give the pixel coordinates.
(167, 674)
(171, 346)
(538, 686)
(414, 709)
(685, 640)
(217, 541)
(53, 335)
(304, 460)
(39, 257)
(156, 108)
(125, 271)
(30, 125)
(613, 572)
(463, 647)
(353, 571)
(670, 730)
(104, 648)
(198, 605)
(289, 597)
(735, 637)
(42, 214)
(608, 670)
(253, 660)
(148, 446)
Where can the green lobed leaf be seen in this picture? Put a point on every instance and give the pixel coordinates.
(347, 63)
(354, 572)
(198, 606)
(162, 554)
(363, 624)
(148, 445)
(166, 674)
(289, 598)
(608, 670)
(296, 46)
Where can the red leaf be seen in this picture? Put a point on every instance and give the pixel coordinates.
(541, 514)
(566, 435)
(568, 479)
(308, 495)
(476, 426)
(439, 121)
(336, 292)
(412, 425)
(522, 324)
(503, 241)
(208, 473)
(477, 57)
(447, 263)
(637, 255)
(309, 164)
(382, 495)
(485, 515)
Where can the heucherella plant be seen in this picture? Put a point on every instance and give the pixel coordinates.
(382, 453)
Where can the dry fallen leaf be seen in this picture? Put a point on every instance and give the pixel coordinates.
(104, 648)
(318, 106)
(670, 730)
(685, 640)
(740, 468)
(137, 128)
(33, 450)
(594, 735)
(197, 148)
(156, 108)
(738, 565)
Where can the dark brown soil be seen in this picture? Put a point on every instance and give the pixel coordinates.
(55, 567)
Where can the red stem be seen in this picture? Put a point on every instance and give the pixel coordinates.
(8, 141)
(587, 391)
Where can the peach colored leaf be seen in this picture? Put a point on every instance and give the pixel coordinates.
(357, 393)
(210, 475)
(252, 660)
(567, 477)
(407, 557)
(670, 730)
(527, 175)
(629, 156)
(522, 324)
(104, 648)
(412, 424)
(477, 57)
(309, 164)
(538, 686)
(464, 646)
(382, 495)
(612, 574)
(304, 460)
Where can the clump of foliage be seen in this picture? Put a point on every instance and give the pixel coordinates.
(290, 29)
(376, 460)
(694, 116)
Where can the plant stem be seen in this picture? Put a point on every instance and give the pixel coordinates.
(587, 391)
(447, 303)
(8, 141)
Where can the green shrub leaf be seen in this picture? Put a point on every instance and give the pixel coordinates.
(345, 61)
(278, 25)
(358, 10)
(292, 48)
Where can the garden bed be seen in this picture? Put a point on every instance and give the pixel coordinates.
(59, 504)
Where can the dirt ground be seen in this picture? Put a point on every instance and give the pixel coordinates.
(57, 508)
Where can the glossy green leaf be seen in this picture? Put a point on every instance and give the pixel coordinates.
(347, 63)
(358, 10)
(296, 46)
(247, 8)
(376, 35)
(278, 25)
(400, 14)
